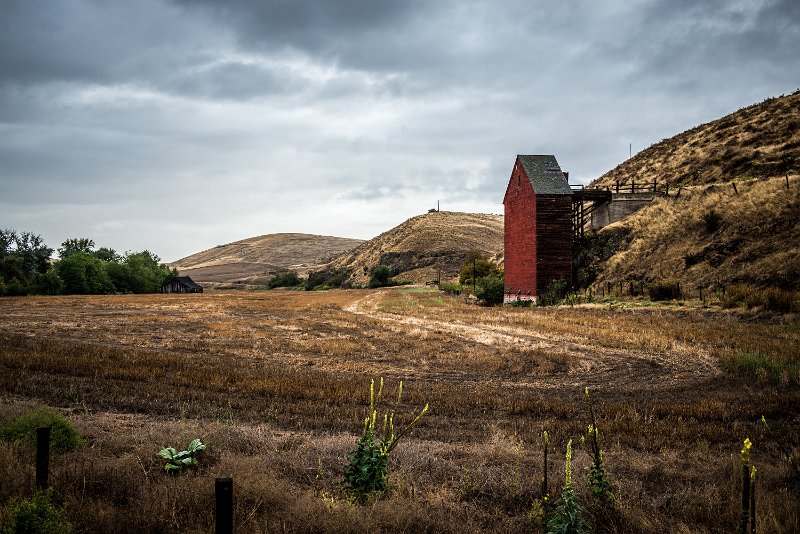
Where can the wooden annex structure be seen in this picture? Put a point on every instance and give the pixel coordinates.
(538, 227)
(182, 284)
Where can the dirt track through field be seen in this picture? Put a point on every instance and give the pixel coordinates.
(589, 364)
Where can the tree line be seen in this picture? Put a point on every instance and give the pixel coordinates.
(27, 268)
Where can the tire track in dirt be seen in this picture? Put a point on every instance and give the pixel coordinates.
(589, 364)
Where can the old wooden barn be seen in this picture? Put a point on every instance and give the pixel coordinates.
(538, 227)
(182, 284)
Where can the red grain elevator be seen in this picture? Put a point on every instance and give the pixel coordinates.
(538, 227)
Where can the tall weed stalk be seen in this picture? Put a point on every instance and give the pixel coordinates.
(367, 470)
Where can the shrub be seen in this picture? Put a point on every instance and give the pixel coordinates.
(36, 514)
(555, 293)
(598, 476)
(327, 279)
(380, 276)
(771, 298)
(63, 436)
(451, 289)
(490, 289)
(712, 221)
(284, 278)
(665, 290)
(367, 466)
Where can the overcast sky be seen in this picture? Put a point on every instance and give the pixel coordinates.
(176, 126)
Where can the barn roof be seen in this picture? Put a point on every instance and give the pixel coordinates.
(545, 175)
(188, 282)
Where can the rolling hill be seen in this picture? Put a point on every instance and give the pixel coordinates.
(759, 141)
(425, 246)
(254, 259)
(737, 216)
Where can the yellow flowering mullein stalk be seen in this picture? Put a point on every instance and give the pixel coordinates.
(598, 477)
(367, 469)
(746, 486)
(568, 516)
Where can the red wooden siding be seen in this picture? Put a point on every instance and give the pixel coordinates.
(519, 238)
(538, 237)
(553, 240)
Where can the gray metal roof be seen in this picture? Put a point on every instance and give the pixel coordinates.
(188, 282)
(545, 175)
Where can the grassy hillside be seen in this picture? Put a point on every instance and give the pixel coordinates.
(711, 236)
(733, 212)
(424, 245)
(759, 141)
(253, 258)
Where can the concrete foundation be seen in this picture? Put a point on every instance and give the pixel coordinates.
(621, 206)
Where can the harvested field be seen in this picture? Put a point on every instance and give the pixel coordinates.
(276, 384)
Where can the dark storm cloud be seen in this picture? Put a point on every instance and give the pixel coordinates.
(285, 115)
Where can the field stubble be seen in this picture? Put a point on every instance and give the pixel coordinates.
(275, 384)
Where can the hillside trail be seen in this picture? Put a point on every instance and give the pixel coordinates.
(592, 365)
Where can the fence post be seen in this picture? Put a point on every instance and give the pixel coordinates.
(42, 456)
(787, 182)
(223, 489)
(734, 188)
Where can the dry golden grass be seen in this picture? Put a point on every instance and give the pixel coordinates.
(425, 246)
(275, 384)
(249, 259)
(712, 236)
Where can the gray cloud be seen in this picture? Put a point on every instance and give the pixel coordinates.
(179, 125)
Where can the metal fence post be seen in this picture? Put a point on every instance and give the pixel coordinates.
(223, 489)
(42, 456)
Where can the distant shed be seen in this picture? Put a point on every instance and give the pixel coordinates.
(182, 284)
(538, 227)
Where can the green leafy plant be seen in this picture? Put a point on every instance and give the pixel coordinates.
(451, 289)
(177, 460)
(63, 436)
(598, 477)
(35, 514)
(555, 293)
(367, 469)
(568, 516)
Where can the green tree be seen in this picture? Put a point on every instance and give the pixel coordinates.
(33, 251)
(284, 278)
(380, 276)
(476, 268)
(75, 245)
(106, 254)
(83, 274)
(48, 283)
